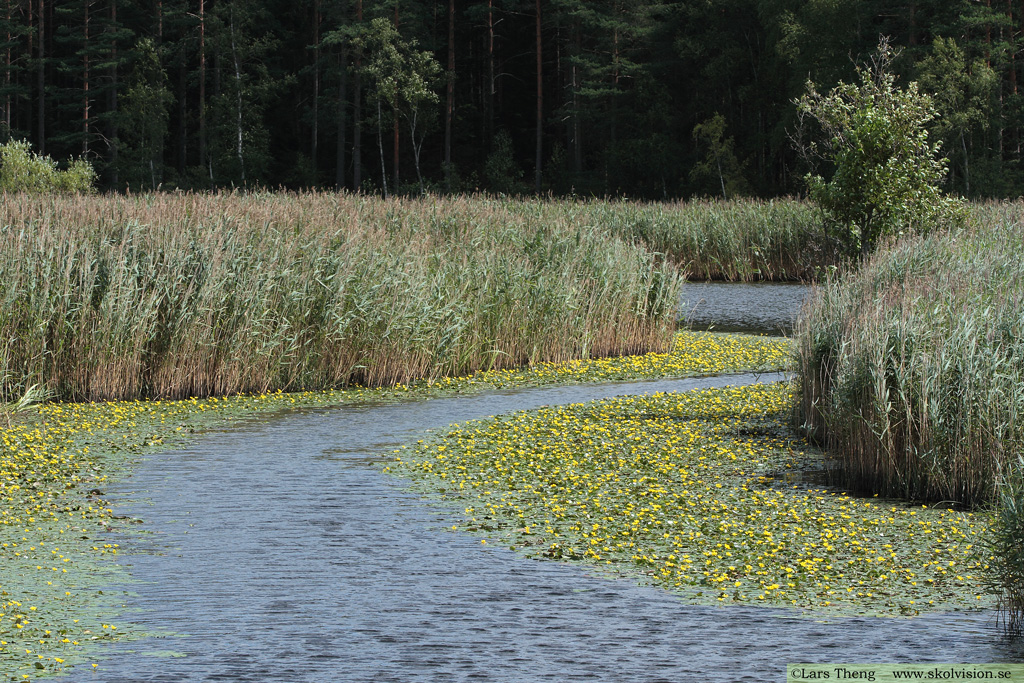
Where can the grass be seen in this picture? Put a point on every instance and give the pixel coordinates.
(705, 493)
(911, 375)
(56, 460)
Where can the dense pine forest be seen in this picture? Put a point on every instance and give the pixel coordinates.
(641, 98)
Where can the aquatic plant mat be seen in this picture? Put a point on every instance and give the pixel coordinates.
(707, 493)
(56, 461)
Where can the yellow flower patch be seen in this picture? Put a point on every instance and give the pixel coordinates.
(700, 492)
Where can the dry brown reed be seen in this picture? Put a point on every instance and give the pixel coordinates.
(912, 367)
(173, 295)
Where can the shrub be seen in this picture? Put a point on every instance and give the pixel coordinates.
(22, 170)
(886, 173)
(500, 169)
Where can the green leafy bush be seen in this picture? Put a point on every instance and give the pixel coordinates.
(886, 172)
(502, 173)
(22, 170)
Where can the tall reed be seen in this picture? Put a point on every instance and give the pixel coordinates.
(1007, 547)
(739, 240)
(174, 295)
(912, 367)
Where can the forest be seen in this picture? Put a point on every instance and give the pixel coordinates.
(649, 99)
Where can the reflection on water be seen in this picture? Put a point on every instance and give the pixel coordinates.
(753, 308)
(279, 552)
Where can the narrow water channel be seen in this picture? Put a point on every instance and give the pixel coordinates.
(748, 307)
(278, 551)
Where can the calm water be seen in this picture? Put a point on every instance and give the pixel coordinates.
(278, 551)
(755, 308)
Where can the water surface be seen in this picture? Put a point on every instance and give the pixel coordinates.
(749, 307)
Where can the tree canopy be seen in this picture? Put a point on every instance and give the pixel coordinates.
(641, 98)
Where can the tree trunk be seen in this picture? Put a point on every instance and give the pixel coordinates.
(577, 129)
(357, 113)
(41, 80)
(159, 154)
(394, 124)
(721, 176)
(31, 46)
(85, 78)
(182, 112)
(540, 109)
(1013, 47)
(314, 143)
(394, 135)
(7, 73)
(449, 105)
(417, 146)
(380, 146)
(988, 37)
(491, 85)
(238, 93)
(967, 170)
(1015, 132)
(112, 94)
(613, 104)
(339, 176)
(203, 161)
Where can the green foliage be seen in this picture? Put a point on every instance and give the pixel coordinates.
(21, 170)
(239, 134)
(501, 171)
(719, 164)
(144, 116)
(403, 77)
(886, 172)
(964, 94)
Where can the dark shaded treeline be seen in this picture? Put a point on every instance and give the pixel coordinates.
(647, 98)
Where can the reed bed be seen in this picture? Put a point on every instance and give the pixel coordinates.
(743, 240)
(1008, 548)
(175, 295)
(912, 372)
